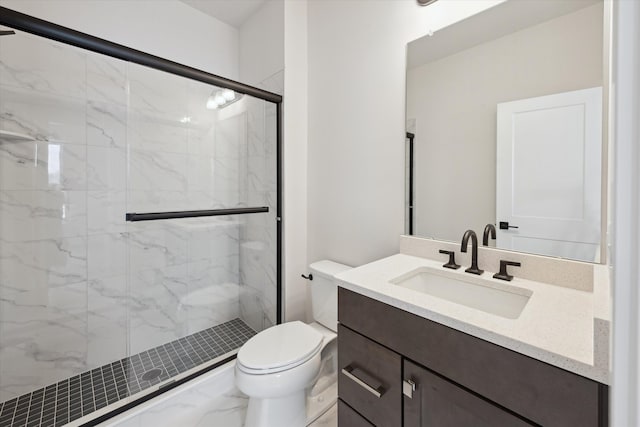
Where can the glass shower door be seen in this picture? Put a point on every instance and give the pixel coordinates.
(138, 229)
(198, 276)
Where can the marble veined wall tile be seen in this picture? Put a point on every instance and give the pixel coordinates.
(35, 215)
(256, 175)
(208, 301)
(155, 200)
(106, 79)
(228, 199)
(24, 301)
(155, 170)
(255, 127)
(228, 176)
(230, 137)
(43, 263)
(106, 168)
(44, 336)
(106, 124)
(157, 94)
(107, 328)
(106, 255)
(155, 296)
(208, 238)
(200, 199)
(201, 173)
(150, 133)
(271, 175)
(35, 165)
(252, 309)
(257, 279)
(201, 141)
(156, 247)
(43, 116)
(106, 212)
(42, 65)
(154, 90)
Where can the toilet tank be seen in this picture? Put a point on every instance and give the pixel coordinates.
(324, 292)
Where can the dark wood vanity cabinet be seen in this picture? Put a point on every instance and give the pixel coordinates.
(438, 402)
(460, 380)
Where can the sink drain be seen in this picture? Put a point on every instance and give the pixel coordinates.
(151, 374)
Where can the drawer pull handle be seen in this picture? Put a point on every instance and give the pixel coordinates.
(376, 391)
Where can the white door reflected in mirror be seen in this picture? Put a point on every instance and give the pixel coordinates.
(548, 174)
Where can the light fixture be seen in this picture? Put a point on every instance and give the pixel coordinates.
(221, 98)
(229, 95)
(426, 2)
(211, 102)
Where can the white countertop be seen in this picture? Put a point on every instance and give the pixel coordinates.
(556, 326)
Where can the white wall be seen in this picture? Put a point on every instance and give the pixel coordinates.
(169, 29)
(357, 55)
(262, 43)
(295, 160)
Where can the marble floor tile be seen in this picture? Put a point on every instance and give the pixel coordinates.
(328, 419)
(211, 400)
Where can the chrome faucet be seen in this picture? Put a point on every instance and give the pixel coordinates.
(488, 229)
(474, 251)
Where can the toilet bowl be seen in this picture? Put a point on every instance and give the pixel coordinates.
(277, 366)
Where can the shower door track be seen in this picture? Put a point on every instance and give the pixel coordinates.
(39, 27)
(49, 30)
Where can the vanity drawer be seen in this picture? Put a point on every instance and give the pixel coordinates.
(347, 417)
(369, 378)
(542, 393)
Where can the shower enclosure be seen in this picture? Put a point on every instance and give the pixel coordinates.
(139, 222)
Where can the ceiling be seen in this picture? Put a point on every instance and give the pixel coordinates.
(232, 12)
(498, 21)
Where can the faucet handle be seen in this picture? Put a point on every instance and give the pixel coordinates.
(452, 259)
(503, 275)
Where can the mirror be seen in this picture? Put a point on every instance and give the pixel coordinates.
(505, 126)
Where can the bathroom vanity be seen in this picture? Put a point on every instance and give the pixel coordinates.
(408, 359)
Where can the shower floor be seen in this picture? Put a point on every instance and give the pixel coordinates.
(76, 397)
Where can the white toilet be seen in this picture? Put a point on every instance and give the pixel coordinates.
(277, 366)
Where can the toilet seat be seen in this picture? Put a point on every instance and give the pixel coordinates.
(279, 348)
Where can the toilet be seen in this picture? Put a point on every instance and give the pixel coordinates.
(277, 366)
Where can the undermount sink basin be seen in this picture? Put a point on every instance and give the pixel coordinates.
(475, 292)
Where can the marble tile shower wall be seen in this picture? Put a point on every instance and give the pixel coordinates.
(79, 286)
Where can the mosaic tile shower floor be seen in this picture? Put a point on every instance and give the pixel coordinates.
(81, 395)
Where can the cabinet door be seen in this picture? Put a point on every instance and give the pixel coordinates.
(369, 378)
(437, 402)
(347, 417)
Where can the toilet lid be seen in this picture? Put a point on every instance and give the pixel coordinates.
(283, 345)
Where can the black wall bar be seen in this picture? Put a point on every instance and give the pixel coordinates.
(410, 137)
(153, 216)
(30, 24)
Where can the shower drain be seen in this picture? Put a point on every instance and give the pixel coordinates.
(151, 374)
